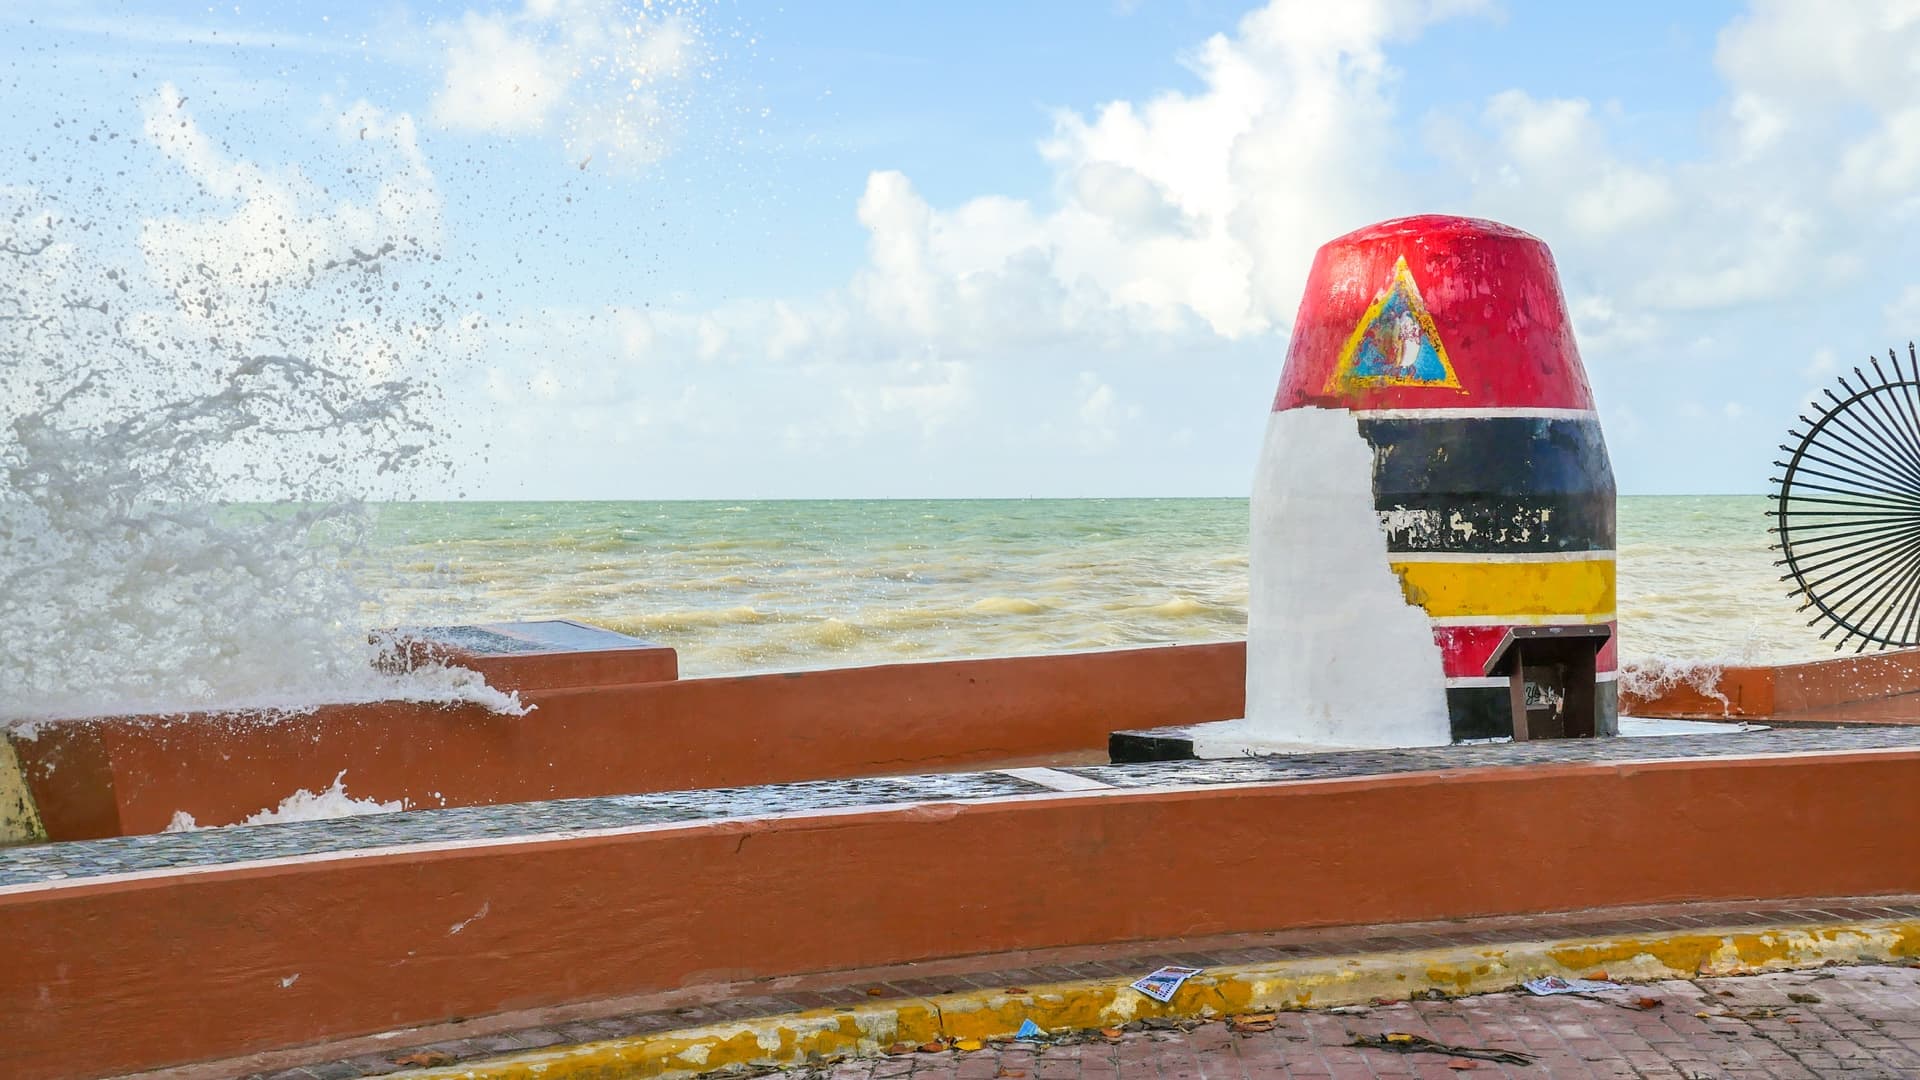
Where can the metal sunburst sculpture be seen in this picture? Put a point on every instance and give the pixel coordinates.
(1847, 509)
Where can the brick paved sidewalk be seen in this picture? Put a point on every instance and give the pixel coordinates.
(481, 1038)
(1859, 1022)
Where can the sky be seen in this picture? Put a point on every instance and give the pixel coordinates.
(741, 250)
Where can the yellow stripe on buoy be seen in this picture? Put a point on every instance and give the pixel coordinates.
(1451, 589)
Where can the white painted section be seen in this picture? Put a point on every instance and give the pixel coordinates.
(1642, 726)
(1477, 682)
(1487, 681)
(1335, 654)
(1473, 414)
(1225, 739)
(1520, 620)
(1238, 738)
(1055, 779)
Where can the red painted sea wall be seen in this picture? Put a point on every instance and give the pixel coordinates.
(131, 774)
(1758, 692)
(173, 967)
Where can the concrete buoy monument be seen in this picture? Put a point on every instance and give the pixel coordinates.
(1433, 500)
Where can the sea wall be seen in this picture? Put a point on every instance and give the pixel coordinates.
(612, 724)
(155, 967)
(1779, 691)
(600, 727)
(130, 775)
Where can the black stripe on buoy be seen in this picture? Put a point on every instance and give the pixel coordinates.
(1492, 485)
(1484, 712)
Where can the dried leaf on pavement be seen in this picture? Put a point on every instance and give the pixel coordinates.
(1252, 1022)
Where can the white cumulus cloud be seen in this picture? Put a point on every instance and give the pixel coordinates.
(1177, 222)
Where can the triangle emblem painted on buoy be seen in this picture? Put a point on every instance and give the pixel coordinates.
(1396, 343)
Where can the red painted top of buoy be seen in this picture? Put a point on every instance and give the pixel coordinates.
(1433, 312)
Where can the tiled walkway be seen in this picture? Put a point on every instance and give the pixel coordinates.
(1859, 1023)
(39, 863)
(451, 1044)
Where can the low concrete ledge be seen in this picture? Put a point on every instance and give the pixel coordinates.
(130, 775)
(1779, 691)
(619, 721)
(328, 946)
(547, 654)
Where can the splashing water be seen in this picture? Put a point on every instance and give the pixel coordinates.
(1655, 677)
(271, 338)
(303, 805)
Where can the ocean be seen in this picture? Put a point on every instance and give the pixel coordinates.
(786, 585)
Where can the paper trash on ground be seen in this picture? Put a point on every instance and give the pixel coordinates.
(1554, 984)
(1162, 984)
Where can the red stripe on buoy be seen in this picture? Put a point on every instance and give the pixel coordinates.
(1464, 650)
(1433, 312)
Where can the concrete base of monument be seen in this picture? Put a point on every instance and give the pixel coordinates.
(1215, 741)
(1225, 739)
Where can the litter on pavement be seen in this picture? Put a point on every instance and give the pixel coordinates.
(1554, 984)
(1161, 985)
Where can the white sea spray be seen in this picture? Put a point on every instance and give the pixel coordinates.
(303, 805)
(1654, 677)
(197, 397)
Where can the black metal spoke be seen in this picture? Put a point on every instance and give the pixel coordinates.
(1847, 507)
(1860, 496)
(1851, 553)
(1892, 602)
(1873, 477)
(1843, 435)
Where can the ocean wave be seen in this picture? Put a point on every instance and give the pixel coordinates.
(1008, 605)
(1188, 607)
(868, 583)
(685, 619)
(833, 634)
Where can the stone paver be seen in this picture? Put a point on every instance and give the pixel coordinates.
(40, 863)
(1860, 1023)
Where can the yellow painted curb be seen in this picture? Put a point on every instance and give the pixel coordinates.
(1320, 982)
(19, 817)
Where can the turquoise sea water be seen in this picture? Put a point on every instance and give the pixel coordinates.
(751, 586)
